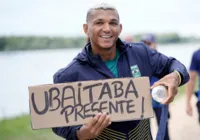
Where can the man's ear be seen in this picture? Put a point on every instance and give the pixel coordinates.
(120, 28)
(85, 28)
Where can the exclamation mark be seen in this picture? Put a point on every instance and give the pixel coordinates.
(142, 115)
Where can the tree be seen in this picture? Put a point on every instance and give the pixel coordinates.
(2, 43)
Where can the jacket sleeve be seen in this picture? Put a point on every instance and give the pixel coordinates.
(69, 133)
(162, 65)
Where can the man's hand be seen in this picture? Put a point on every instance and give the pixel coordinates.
(189, 89)
(189, 109)
(94, 127)
(171, 81)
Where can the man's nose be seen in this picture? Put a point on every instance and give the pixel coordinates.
(106, 27)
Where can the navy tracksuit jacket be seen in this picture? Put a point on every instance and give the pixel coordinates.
(86, 67)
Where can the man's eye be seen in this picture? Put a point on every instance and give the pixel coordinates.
(113, 23)
(99, 23)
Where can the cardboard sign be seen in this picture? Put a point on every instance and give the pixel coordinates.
(69, 104)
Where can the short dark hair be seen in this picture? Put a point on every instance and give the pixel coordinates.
(102, 6)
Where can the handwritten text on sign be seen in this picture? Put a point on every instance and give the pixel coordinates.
(73, 103)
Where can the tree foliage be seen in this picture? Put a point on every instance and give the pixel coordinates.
(42, 42)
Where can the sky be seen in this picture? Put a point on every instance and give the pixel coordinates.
(66, 17)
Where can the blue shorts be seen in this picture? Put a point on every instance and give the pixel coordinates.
(198, 95)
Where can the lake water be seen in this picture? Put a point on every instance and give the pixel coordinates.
(20, 69)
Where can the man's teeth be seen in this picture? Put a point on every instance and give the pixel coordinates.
(106, 36)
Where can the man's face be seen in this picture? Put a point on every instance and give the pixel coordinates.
(153, 46)
(103, 28)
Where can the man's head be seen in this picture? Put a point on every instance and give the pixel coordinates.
(103, 26)
(129, 38)
(150, 40)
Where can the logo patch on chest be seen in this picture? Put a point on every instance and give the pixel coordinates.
(135, 71)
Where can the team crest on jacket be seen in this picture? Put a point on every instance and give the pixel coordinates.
(135, 71)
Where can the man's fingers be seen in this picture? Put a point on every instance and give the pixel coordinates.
(171, 93)
(189, 113)
(189, 110)
(168, 100)
(94, 120)
(159, 83)
(100, 121)
(105, 123)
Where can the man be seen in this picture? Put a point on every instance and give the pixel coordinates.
(194, 73)
(105, 57)
(150, 40)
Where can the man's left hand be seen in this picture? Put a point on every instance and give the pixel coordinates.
(171, 81)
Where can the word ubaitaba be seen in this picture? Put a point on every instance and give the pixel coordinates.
(74, 103)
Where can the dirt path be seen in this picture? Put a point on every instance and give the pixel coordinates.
(181, 126)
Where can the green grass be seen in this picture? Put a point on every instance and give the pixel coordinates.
(19, 128)
(181, 92)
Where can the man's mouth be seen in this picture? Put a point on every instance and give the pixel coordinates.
(105, 36)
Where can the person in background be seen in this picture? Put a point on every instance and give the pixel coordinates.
(150, 40)
(194, 72)
(129, 38)
(106, 57)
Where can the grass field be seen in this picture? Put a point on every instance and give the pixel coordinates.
(19, 128)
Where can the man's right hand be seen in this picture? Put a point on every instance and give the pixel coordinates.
(94, 127)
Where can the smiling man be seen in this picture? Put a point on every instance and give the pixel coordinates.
(105, 56)
(103, 29)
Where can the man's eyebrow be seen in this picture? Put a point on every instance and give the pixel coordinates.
(98, 20)
(115, 20)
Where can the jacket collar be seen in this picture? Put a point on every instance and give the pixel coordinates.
(85, 56)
